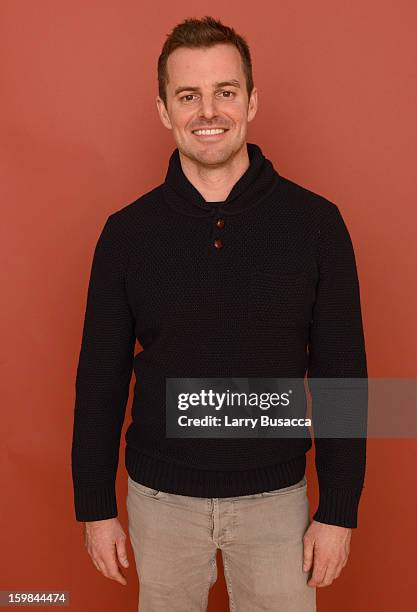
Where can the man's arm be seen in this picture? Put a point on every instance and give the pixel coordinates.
(337, 350)
(103, 377)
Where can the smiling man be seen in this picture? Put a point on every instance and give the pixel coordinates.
(209, 120)
(226, 269)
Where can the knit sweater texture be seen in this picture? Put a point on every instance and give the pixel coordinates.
(270, 290)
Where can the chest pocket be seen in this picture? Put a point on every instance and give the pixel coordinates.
(280, 297)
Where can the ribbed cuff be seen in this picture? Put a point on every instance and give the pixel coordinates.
(338, 507)
(95, 503)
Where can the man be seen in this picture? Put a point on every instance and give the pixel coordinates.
(227, 269)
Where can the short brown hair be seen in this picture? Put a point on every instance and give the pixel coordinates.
(206, 32)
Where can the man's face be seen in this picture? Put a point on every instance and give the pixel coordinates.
(197, 99)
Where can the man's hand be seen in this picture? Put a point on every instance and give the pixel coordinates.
(106, 544)
(329, 544)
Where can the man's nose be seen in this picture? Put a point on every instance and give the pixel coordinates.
(208, 107)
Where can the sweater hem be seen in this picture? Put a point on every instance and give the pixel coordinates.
(174, 478)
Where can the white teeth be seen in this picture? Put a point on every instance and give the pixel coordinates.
(208, 132)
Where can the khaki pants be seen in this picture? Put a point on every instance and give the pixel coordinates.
(175, 539)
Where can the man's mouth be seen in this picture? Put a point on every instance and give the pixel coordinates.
(210, 133)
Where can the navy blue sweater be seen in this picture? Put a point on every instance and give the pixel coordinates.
(263, 284)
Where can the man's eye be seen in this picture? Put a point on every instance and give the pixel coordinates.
(222, 92)
(183, 98)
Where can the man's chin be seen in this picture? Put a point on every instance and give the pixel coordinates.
(211, 156)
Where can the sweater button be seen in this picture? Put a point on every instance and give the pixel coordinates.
(220, 223)
(218, 243)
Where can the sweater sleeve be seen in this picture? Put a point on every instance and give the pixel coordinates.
(337, 351)
(102, 378)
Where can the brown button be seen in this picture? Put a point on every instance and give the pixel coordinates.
(218, 243)
(220, 223)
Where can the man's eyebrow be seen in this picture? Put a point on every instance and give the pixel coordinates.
(232, 83)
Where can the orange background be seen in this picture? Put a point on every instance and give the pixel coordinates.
(80, 138)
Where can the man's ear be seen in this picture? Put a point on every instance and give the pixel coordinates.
(252, 104)
(163, 113)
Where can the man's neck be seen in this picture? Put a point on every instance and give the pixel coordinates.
(215, 183)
